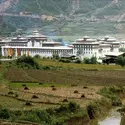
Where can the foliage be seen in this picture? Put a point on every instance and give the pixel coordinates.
(121, 61)
(27, 62)
(97, 107)
(92, 60)
(65, 60)
(111, 93)
(122, 50)
(37, 56)
(78, 61)
(4, 113)
(55, 56)
(52, 116)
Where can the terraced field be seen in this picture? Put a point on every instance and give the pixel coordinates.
(68, 77)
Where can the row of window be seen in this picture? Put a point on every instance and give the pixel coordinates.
(82, 46)
(38, 50)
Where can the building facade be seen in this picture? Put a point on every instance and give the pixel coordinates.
(87, 47)
(35, 44)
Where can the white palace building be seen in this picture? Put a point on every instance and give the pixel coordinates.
(37, 44)
(87, 47)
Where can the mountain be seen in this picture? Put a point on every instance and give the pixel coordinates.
(66, 17)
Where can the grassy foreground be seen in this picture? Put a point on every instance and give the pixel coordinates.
(53, 87)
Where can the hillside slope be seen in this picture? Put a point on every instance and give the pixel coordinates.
(73, 17)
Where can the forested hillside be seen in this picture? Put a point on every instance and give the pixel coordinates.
(71, 17)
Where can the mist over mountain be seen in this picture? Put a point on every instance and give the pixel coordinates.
(66, 17)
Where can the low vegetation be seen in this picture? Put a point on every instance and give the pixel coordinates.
(45, 117)
(113, 94)
(54, 91)
(27, 62)
(121, 61)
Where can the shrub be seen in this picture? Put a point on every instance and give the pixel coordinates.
(121, 61)
(40, 83)
(4, 114)
(23, 85)
(62, 108)
(65, 100)
(27, 62)
(43, 115)
(37, 56)
(92, 60)
(78, 61)
(72, 106)
(65, 60)
(111, 93)
(86, 61)
(30, 116)
(28, 103)
(91, 108)
(56, 56)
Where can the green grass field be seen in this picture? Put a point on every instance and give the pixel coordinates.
(80, 66)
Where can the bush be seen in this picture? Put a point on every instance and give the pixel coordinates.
(86, 61)
(27, 62)
(72, 106)
(65, 100)
(56, 56)
(65, 60)
(92, 60)
(37, 56)
(121, 61)
(91, 108)
(4, 113)
(78, 61)
(28, 103)
(111, 93)
(30, 116)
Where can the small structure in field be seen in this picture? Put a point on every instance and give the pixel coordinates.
(28, 103)
(54, 89)
(85, 87)
(76, 91)
(65, 100)
(35, 97)
(10, 93)
(82, 96)
(26, 88)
